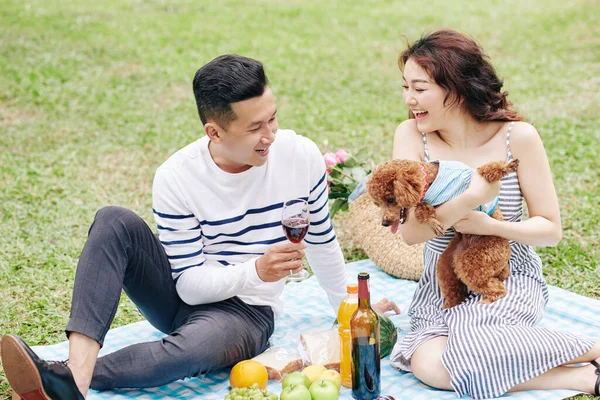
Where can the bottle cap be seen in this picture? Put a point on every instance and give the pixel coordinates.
(352, 288)
(363, 275)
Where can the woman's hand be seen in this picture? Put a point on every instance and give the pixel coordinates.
(476, 223)
(481, 191)
(385, 306)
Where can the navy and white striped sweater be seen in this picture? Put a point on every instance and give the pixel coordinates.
(214, 224)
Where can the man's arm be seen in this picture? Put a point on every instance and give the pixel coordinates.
(197, 281)
(323, 252)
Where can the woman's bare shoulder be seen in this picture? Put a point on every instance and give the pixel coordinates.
(408, 129)
(408, 141)
(523, 137)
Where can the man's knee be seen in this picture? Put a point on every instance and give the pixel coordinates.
(203, 345)
(116, 217)
(190, 358)
(109, 214)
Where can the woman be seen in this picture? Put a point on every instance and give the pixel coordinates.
(458, 112)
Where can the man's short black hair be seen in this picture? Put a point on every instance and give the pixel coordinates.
(224, 80)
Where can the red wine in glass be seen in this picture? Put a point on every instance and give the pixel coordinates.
(295, 222)
(295, 229)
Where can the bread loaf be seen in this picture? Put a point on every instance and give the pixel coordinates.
(280, 362)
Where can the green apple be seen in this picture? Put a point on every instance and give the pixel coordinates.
(295, 378)
(295, 392)
(324, 389)
(332, 375)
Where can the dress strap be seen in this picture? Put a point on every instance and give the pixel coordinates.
(509, 156)
(425, 151)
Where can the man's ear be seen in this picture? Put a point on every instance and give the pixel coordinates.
(213, 131)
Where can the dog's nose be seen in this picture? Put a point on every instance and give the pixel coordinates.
(385, 222)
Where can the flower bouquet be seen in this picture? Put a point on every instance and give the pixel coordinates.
(344, 174)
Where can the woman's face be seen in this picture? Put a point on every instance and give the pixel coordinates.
(424, 97)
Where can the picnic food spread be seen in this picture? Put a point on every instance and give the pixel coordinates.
(320, 355)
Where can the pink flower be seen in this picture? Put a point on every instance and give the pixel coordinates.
(330, 160)
(342, 155)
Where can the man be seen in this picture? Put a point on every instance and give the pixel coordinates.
(212, 280)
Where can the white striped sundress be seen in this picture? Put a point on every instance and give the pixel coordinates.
(494, 347)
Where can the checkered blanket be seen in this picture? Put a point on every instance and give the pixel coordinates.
(307, 310)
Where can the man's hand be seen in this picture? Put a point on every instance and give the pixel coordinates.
(384, 305)
(279, 261)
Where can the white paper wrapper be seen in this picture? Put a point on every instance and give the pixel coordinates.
(321, 348)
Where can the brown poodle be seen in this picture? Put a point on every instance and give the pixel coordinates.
(473, 262)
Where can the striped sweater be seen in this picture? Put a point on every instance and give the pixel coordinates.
(214, 224)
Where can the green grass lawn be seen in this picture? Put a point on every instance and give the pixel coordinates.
(95, 95)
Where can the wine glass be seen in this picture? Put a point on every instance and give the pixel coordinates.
(295, 222)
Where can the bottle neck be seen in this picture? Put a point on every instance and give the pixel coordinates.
(364, 296)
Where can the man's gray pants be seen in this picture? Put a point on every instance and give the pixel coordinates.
(122, 253)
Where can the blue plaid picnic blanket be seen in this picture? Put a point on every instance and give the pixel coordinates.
(307, 310)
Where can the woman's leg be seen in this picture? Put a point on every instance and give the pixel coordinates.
(427, 366)
(581, 379)
(574, 378)
(591, 355)
(426, 363)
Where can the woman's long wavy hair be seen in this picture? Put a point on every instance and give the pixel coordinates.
(457, 63)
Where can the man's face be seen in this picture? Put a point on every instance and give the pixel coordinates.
(245, 142)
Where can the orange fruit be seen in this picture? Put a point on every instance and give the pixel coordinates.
(248, 372)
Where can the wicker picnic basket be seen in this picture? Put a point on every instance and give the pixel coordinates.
(386, 250)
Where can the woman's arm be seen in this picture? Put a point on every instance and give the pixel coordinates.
(543, 228)
(408, 145)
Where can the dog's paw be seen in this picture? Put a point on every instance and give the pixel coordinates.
(512, 166)
(425, 214)
(492, 297)
(436, 226)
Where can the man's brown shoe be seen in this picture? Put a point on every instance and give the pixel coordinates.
(33, 378)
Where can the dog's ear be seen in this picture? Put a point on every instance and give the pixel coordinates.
(381, 182)
(408, 185)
